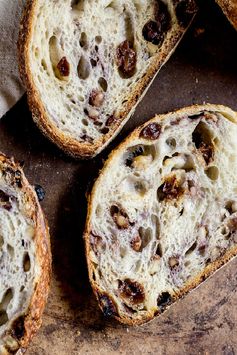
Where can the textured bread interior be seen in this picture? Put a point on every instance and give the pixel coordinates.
(18, 268)
(162, 211)
(88, 33)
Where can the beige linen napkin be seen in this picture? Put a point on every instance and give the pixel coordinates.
(10, 85)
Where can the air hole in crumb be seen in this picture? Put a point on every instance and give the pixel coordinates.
(83, 40)
(111, 5)
(202, 138)
(230, 207)
(7, 297)
(98, 211)
(81, 98)
(26, 262)
(224, 230)
(146, 236)
(44, 65)
(191, 249)
(140, 187)
(74, 3)
(123, 252)
(171, 142)
(22, 288)
(37, 52)
(98, 39)
(212, 172)
(83, 68)
(164, 300)
(3, 317)
(103, 84)
(1, 242)
(93, 62)
(10, 250)
(187, 263)
(159, 250)
(85, 122)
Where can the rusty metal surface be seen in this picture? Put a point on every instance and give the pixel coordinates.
(203, 69)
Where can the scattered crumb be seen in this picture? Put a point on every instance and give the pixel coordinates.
(199, 31)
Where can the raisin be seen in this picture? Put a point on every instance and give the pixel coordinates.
(207, 152)
(164, 300)
(132, 291)
(87, 138)
(151, 131)
(40, 192)
(96, 98)
(138, 150)
(154, 31)
(18, 328)
(232, 225)
(4, 197)
(136, 243)
(120, 217)
(126, 59)
(162, 16)
(171, 189)
(64, 67)
(151, 32)
(185, 10)
(107, 305)
(110, 120)
(5, 201)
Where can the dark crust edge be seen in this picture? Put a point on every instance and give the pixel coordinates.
(32, 318)
(209, 269)
(65, 142)
(229, 7)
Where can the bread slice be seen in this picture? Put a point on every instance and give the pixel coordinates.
(86, 64)
(25, 259)
(162, 215)
(229, 7)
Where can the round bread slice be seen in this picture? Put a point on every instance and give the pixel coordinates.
(162, 215)
(86, 64)
(25, 259)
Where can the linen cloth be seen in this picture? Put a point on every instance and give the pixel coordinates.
(11, 88)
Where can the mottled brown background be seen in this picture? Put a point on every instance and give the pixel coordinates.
(203, 69)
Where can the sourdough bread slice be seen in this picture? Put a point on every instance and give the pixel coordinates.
(229, 7)
(25, 259)
(86, 64)
(162, 215)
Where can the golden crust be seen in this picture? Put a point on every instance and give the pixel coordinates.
(31, 321)
(212, 267)
(229, 7)
(65, 142)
